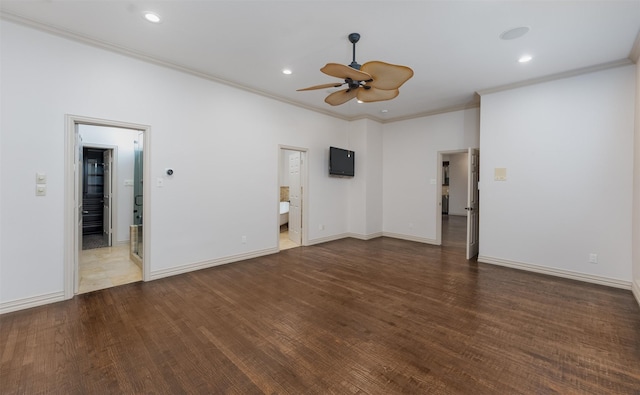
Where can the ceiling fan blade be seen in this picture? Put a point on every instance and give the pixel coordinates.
(386, 76)
(323, 86)
(373, 94)
(342, 96)
(341, 71)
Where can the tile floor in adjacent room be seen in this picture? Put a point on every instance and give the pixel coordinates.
(285, 243)
(101, 268)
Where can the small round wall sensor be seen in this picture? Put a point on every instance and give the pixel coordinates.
(169, 172)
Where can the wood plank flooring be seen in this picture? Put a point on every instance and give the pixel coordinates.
(383, 316)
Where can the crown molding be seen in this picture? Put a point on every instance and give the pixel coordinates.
(634, 55)
(457, 107)
(475, 103)
(557, 76)
(149, 59)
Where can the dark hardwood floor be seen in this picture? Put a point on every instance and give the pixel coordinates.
(383, 316)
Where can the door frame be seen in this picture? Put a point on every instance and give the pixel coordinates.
(304, 182)
(71, 236)
(439, 181)
(473, 203)
(114, 182)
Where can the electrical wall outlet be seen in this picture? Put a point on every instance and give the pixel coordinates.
(593, 258)
(244, 239)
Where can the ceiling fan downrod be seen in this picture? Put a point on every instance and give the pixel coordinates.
(354, 38)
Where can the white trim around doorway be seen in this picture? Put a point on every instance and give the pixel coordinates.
(304, 173)
(439, 182)
(71, 214)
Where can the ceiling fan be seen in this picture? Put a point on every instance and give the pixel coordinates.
(370, 82)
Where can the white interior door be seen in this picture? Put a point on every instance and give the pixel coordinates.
(473, 195)
(78, 167)
(107, 222)
(295, 199)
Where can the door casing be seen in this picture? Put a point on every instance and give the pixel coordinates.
(304, 183)
(72, 238)
(439, 180)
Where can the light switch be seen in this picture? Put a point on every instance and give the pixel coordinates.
(41, 178)
(500, 174)
(41, 190)
(128, 183)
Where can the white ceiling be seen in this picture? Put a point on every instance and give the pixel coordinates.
(453, 46)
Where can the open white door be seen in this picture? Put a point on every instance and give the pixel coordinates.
(473, 214)
(107, 223)
(78, 166)
(295, 199)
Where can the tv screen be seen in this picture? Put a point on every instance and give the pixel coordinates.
(341, 162)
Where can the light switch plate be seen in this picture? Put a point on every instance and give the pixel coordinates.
(500, 174)
(41, 190)
(128, 183)
(41, 178)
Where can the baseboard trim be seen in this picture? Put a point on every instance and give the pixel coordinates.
(410, 238)
(190, 267)
(635, 288)
(327, 239)
(33, 301)
(589, 278)
(360, 236)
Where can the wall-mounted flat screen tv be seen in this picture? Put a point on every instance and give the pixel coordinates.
(341, 162)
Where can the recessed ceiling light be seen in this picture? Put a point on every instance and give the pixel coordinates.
(360, 101)
(525, 58)
(515, 33)
(384, 111)
(286, 71)
(151, 17)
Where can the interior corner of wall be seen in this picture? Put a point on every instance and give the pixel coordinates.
(635, 288)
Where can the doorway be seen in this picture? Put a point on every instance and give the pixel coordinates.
(97, 196)
(100, 179)
(291, 192)
(458, 208)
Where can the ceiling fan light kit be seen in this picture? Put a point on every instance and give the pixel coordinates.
(370, 82)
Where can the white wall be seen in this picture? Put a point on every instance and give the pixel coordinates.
(410, 161)
(123, 196)
(458, 183)
(636, 193)
(226, 163)
(567, 146)
(365, 188)
(374, 178)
